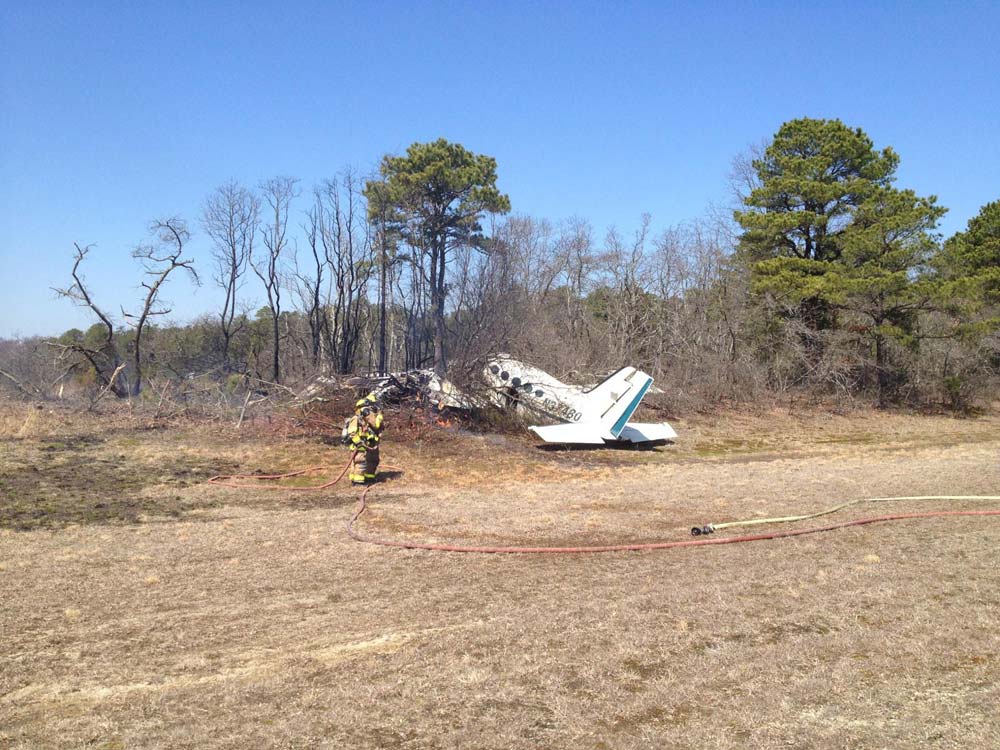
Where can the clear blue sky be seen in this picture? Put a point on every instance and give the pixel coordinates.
(114, 113)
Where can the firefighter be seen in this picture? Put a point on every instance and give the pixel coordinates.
(362, 432)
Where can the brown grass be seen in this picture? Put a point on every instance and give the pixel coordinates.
(198, 617)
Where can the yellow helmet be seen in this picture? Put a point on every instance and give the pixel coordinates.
(368, 400)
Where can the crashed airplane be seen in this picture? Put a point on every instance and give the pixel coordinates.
(595, 416)
(598, 416)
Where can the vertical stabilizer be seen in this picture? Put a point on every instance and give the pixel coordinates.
(616, 399)
(618, 415)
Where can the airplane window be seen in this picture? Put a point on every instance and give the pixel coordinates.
(539, 394)
(504, 375)
(494, 369)
(515, 382)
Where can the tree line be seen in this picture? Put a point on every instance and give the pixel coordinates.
(828, 280)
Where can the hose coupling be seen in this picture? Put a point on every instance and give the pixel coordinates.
(699, 530)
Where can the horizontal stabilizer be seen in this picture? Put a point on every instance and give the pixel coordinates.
(638, 432)
(571, 434)
(595, 434)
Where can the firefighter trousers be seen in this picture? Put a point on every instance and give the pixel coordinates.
(365, 465)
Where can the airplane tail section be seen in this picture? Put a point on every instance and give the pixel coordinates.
(617, 398)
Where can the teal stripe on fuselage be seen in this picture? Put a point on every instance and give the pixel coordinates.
(627, 414)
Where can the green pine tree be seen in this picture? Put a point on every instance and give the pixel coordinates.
(437, 195)
(826, 234)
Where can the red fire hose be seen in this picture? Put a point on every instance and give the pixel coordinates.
(226, 480)
(362, 506)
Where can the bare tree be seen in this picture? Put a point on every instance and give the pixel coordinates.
(309, 285)
(25, 365)
(629, 306)
(278, 193)
(230, 218)
(413, 293)
(387, 240)
(350, 252)
(159, 260)
(743, 178)
(104, 359)
(486, 302)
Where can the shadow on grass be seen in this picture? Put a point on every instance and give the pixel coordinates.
(652, 445)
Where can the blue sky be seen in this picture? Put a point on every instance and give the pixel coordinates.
(115, 113)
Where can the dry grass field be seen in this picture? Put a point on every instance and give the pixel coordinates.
(142, 608)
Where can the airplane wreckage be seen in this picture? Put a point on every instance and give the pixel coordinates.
(596, 416)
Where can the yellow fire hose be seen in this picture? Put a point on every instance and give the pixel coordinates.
(709, 528)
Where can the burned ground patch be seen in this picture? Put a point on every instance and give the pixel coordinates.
(84, 479)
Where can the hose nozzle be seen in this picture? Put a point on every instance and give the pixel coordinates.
(699, 530)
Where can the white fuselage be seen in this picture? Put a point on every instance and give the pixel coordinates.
(517, 384)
